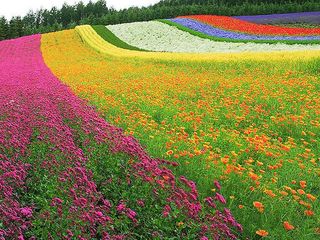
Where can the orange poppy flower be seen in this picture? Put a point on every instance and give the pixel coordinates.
(259, 206)
(170, 152)
(288, 226)
(262, 233)
(311, 197)
(253, 176)
(269, 193)
(303, 184)
(179, 224)
(308, 212)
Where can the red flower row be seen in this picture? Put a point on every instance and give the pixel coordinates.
(233, 24)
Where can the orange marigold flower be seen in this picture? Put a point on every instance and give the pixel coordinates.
(293, 191)
(269, 154)
(225, 160)
(170, 152)
(286, 148)
(311, 197)
(165, 177)
(307, 205)
(300, 191)
(295, 197)
(262, 233)
(259, 163)
(287, 188)
(269, 193)
(241, 206)
(179, 224)
(253, 176)
(288, 226)
(284, 193)
(303, 184)
(259, 206)
(308, 212)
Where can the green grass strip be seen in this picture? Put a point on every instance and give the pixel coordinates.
(108, 36)
(205, 36)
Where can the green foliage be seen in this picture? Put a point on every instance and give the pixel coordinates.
(3, 28)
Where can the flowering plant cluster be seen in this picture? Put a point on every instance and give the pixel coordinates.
(52, 187)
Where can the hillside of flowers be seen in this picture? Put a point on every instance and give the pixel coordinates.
(161, 37)
(197, 127)
(206, 33)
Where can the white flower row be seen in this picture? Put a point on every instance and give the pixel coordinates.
(157, 36)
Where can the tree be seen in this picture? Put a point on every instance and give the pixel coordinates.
(15, 27)
(67, 14)
(4, 28)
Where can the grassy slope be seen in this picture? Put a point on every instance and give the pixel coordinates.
(108, 36)
(202, 35)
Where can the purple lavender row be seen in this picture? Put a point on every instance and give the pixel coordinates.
(304, 17)
(220, 33)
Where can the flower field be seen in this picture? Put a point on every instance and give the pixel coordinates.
(103, 45)
(66, 173)
(190, 139)
(234, 24)
(160, 37)
(224, 34)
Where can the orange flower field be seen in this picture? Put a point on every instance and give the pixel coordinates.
(253, 124)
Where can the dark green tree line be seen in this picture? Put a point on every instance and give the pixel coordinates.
(68, 16)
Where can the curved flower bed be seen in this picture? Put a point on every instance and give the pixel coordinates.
(157, 36)
(48, 145)
(220, 33)
(304, 17)
(233, 24)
